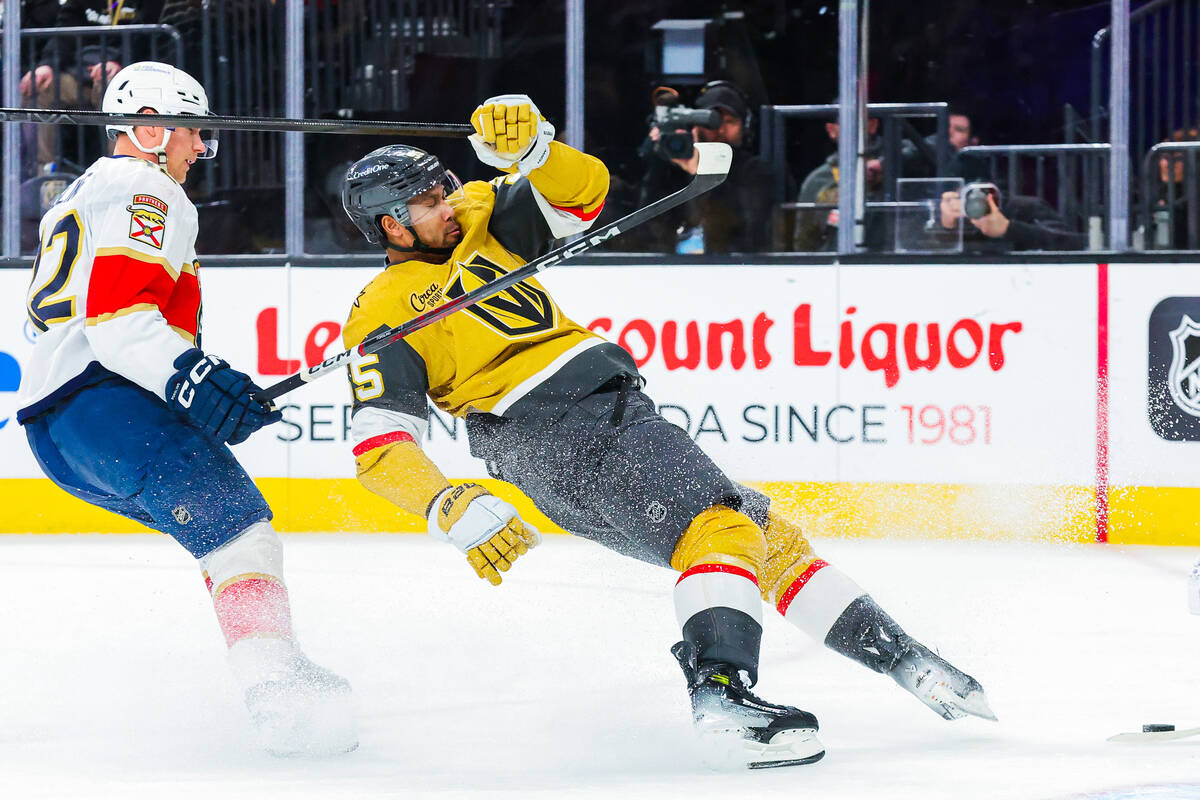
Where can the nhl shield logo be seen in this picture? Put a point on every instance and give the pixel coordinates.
(1173, 369)
(181, 514)
(656, 512)
(1183, 376)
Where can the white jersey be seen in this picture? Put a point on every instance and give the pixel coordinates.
(114, 286)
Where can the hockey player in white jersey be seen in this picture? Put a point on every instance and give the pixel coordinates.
(124, 410)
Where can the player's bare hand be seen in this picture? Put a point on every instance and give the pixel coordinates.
(483, 526)
(105, 71)
(39, 80)
(993, 223)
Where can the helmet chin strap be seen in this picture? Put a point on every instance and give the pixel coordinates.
(418, 245)
(159, 150)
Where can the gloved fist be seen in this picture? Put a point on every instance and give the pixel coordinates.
(511, 132)
(483, 526)
(217, 398)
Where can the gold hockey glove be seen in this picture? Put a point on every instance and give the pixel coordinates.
(510, 133)
(483, 526)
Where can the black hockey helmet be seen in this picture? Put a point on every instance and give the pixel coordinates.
(385, 180)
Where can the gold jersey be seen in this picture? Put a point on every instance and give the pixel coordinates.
(516, 354)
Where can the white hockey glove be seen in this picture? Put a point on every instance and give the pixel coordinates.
(1194, 589)
(511, 132)
(483, 526)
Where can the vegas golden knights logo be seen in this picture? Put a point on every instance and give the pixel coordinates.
(518, 311)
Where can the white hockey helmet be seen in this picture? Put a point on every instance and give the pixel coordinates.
(162, 87)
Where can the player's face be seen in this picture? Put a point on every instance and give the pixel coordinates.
(433, 218)
(183, 148)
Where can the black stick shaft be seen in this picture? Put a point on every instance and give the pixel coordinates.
(64, 116)
(715, 160)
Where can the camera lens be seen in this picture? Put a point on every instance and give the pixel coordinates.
(975, 204)
(676, 145)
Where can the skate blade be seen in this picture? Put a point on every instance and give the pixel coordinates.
(787, 749)
(955, 706)
(734, 748)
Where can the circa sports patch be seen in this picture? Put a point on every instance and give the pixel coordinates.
(147, 220)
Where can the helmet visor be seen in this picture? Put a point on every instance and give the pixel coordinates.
(444, 189)
(209, 136)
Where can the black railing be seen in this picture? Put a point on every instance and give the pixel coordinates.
(1170, 212)
(897, 127)
(1071, 177)
(243, 74)
(1164, 48)
(362, 53)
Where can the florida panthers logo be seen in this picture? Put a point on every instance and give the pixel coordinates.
(147, 220)
(520, 310)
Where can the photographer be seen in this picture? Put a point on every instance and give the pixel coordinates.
(1030, 222)
(735, 217)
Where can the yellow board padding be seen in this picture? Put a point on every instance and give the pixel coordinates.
(36, 505)
(938, 511)
(1137, 515)
(1154, 515)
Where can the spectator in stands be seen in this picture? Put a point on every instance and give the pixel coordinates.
(70, 72)
(816, 228)
(736, 216)
(961, 134)
(1170, 224)
(1029, 224)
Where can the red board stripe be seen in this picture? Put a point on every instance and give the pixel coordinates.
(1102, 403)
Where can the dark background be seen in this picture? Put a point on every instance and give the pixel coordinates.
(1010, 65)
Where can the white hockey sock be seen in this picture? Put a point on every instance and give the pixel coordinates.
(815, 600)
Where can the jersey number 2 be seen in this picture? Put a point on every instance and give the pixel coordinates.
(45, 307)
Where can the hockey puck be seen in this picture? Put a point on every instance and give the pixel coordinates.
(1157, 728)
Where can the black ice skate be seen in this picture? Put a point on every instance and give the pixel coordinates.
(739, 728)
(303, 710)
(937, 683)
(865, 633)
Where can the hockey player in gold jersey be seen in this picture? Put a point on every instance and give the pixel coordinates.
(558, 411)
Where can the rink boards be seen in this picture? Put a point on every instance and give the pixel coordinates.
(1049, 401)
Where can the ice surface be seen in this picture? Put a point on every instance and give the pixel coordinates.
(558, 683)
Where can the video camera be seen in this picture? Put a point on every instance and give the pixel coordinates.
(974, 199)
(675, 122)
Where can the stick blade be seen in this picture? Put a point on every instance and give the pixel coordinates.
(715, 158)
(1155, 736)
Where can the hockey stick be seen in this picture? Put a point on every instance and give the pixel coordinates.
(715, 160)
(1155, 733)
(63, 116)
